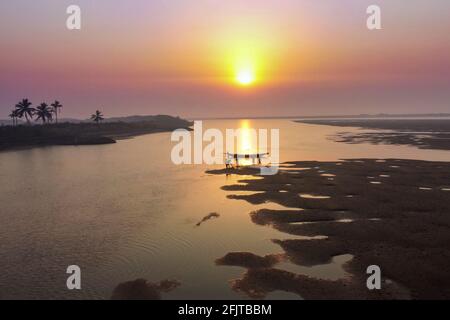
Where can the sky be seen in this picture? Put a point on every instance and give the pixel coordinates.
(182, 57)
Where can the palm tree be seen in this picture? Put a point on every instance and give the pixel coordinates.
(97, 116)
(56, 106)
(14, 115)
(43, 112)
(24, 108)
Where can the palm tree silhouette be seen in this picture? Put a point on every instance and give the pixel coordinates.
(97, 116)
(14, 115)
(56, 106)
(24, 108)
(43, 112)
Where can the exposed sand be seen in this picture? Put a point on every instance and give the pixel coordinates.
(396, 225)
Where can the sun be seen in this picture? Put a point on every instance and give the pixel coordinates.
(245, 77)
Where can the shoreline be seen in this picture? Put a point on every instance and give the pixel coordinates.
(78, 134)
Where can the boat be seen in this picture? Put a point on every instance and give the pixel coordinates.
(232, 159)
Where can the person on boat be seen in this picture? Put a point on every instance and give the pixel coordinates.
(228, 163)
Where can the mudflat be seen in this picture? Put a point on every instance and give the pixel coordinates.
(391, 213)
(423, 133)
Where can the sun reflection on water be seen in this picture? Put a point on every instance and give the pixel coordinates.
(246, 141)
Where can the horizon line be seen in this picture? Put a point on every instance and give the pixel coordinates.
(362, 115)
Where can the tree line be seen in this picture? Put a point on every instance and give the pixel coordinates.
(43, 112)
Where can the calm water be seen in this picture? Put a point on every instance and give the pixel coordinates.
(124, 211)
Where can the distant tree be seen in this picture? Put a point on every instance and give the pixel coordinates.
(97, 117)
(44, 113)
(56, 106)
(14, 115)
(24, 108)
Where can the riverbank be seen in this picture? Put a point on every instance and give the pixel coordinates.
(422, 133)
(25, 136)
(389, 213)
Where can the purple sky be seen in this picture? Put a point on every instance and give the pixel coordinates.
(179, 57)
